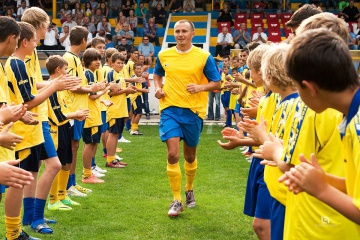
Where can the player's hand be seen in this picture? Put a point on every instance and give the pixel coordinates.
(131, 89)
(231, 132)
(271, 150)
(81, 114)
(7, 139)
(13, 176)
(66, 82)
(114, 87)
(232, 143)
(249, 112)
(159, 93)
(107, 103)
(194, 88)
(29, 118)
(98, 86)
(257, 131)
(11, 113)
(139, 79)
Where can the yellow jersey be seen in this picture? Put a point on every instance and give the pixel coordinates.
(94, 118)
(119, 107)
(104, 71)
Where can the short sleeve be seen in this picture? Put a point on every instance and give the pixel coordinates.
(210, 70)
(22, 79)
(159, 70)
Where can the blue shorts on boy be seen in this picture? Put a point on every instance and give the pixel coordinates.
(225, 99)
(180, 122)
(277, 219)
(104, 125)
(77, 130)
(48, 149)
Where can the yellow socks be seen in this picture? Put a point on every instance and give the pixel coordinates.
(63, 180)
(109, 159)
(53, 195)
(174, 176)
(87, 172)
(13, 227)
(190, 171)
(134, 126)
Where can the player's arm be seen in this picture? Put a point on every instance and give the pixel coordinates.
(94, 96)
(79, 115)
(240, 78)
(159, 72)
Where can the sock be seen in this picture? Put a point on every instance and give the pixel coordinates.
(228, 118)
(63, 181)
(69, 181)
(87, 172)
(134, 126)
(109, 159)
(128, 124)
(174, 176)
(28, 210)
(53, 195)
(105, 150)
(120, 136)
(190, 170)
(13, 227)
(93, 164)
(73, 179)
(38, 218)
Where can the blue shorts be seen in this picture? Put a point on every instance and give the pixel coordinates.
(257, 197)
(225, 99)
(104, 126)
(92, 134)
(116, 125)
(277, 219)
(48, 149)
(237, 108)
(3, 188)
(77, 129)
(64, 144)
(180, 122)
(128, 102)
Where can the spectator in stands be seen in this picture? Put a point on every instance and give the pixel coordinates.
(241, 37)
(79, 18)
(18, 3)
(200, 5)
(259, 36)
(225, 14)
(104, 9)
(108, 42)
(123, 43)
(114, 8)
(64, 12)
(189, 6)
(8, 4)
(352, 40)
(51, 38)
(96, 18)
(351, 13)
(356, 28)
(10, 13)
(160, 15)
(150, 31)
(132, 21)
(89, 11)
(141, 13)
(72, 3)
(94, 4)
(64, 38)
(127, 5)
(89, 25)
(77, 9)
(175, 6)
(104, 27)
(127, 34)
(118, 18)
(146, 49)
(154, 4)
(224, 42)
(69, 22)
(21, 10)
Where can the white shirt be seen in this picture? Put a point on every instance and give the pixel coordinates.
(66, 42)
(18, 3)
(70, 24)
(50, 38)
(256, 36)
(228, 38)
(89, 38)
(21, 11)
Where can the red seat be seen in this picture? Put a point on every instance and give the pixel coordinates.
(240, 18)
(256, 17)
(274, 36)
(272, 18)
(224, 24)
(274, 26)
(285, 17)
(237, 26)
(255, 25)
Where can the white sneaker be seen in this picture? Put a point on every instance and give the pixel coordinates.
(118, 157)
(98, 169)
(73, 192)
(123, 140)
(97, 174)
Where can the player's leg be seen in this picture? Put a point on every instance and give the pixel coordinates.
(116, 126)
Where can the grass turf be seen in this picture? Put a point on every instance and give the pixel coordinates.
(133, 202)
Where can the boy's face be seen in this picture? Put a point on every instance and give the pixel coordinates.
(243, 56)
(94, 65)
(135, 55)
(256, 77)
(235, 63)
(12, 44)
(309, 97)
(226, 61)
(124, 53)
(29, 45)
(137, 71)
(40, 33)
(141, 60)
(233, 72)
(63, 70)
(225, 70)
(100, 47)
(118, 65)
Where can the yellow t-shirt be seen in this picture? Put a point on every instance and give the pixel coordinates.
(75, 101)
(94, 118)
(22, 88)
(223, 81)
(307, 217)
(129, 69)
(105, 70)
(32, 63)
(180, 69)
(119, 107)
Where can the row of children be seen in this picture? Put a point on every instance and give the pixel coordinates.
(75, 103)
(294, 121)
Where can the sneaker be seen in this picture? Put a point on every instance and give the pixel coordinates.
(123, 140)
(190, 199)
(82, 189)
(73, 192)
(244, 149)
(148, 116)
(58, 206)
(98, 169)
(118, 157)
(176, 207)
(97, 174)
(122, 163)
(136, 132)
(70, 202)
(24, 236)
(92, 179)
(114, 164)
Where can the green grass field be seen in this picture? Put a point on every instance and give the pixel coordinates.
(133, 202)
